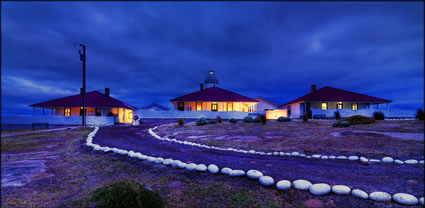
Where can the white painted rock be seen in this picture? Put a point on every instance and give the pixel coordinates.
(316, 156)
(421, 201)
(150, 159)
(167, 161)
(380, 196)
(158, 160)
(269, 153)
(254, 174)
(341, 189)
(411, 162)
(374, 160)
(307, 156)
(320, 189)
(341, 157)
(275, 153)
(236, 173)
(359, 194)
(295, 153)
(353, 158)
(281, 153)
(302, 155)
(226, 171)
(421, 162)
(201, 167)
(266, 180)
(182, 165)
(405, 199)
(213, 168)
(363, 159)
(301, 184)
(399, 162)
(175, 163)
(387, 160)
(324, 157)
(288, 154)
(332, 157)
(283, 185)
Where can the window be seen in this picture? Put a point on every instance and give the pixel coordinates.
(98, 112)
(229, 106)
(339, 105)
(324, 106)
(180, 106)
(130, 115)
(67, 112)
(214, 106)
(198, 106)
(354, 106)
(81, 111)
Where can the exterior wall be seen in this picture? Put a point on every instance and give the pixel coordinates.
(128, 116)
(295, 110)
(262, 106)
(71, 120)
(190, 114)
(276, 113)
(392, 113)
(221, 106)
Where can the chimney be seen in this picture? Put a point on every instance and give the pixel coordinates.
(313, 88)
(107, 92)
(81, 91)
(202, 86)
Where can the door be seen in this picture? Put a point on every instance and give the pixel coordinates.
(180, 106)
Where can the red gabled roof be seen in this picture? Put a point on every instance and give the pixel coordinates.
(267, 101)
(214, 94)
(333, 94)
(93, 99)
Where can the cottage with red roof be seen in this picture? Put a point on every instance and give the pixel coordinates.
(97, 104)
(214, 99)
(327, 100)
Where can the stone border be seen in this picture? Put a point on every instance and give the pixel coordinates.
(296, 154)
(300, 184)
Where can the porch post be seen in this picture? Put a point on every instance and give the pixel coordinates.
(33, 111)
(51, 113)
(388, 106)
(43, 111)
(101, 112)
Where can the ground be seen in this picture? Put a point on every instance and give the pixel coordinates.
(63, 171)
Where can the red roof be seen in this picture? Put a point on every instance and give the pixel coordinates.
(214, 94)
(333, 94)
(93, 99)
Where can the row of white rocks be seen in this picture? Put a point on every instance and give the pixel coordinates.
(315, 189)
(296, 154)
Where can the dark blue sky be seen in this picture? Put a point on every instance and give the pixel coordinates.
(152, 52)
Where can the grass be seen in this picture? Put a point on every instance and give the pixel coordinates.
(310, 137)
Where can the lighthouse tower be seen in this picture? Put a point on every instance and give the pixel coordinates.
(211, 80)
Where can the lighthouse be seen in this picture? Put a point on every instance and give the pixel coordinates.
(211, 79)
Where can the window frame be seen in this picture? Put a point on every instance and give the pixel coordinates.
(326, 104)
(354, 104)
(212, 106)
(67, 113)
(230, 104)
(200, 106)
(339, 104)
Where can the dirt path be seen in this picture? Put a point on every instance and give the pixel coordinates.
(38, 131)
(377, 177)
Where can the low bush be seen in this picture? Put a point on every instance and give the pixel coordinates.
(232, 120)
(378, 115)
(420, 114)
(125, 194)
(257, 119)
(341, 124)
(358, 119)
(248, 119)
(283, 119)
(263, 119)
(180, 121)
(212, 121)
(305, 117)
(337, 115)
(219, 119)
(202, 121)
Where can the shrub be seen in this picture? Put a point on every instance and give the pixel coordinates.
(257, 119)
(212, 122)
(124, 194)
(305, 117)
(337, 115)
(283, 119)
(378, 115)
(219, 119)
(232, 120)
(248, 119)
(180, 121)
(202, 121)
(358, 119)
(341, 124)
(420, 114)
(263, 119)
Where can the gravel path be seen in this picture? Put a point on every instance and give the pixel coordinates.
(377, 177)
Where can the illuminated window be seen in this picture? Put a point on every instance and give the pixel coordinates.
(214, 106)
(324, 106)
(130, 115)
(354, 106)
(229, 106)
(67, 112)
(198, 106)
(339, 105)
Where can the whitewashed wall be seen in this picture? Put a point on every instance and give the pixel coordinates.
(262, 105)
(190, 114)
(72, 120)
(395, 113)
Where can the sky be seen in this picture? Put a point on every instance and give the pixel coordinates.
(151, 52)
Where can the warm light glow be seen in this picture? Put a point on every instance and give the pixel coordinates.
(229, 106)
(214, 106)
(198, 106)
(275, 114)
(67, 111)
(324, 106)
(339, 105)
(354, 106)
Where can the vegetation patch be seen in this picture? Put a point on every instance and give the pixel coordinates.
(358, 119)
(232, 120)
(283, 119)
(202, 121)
(248, 119)
(378, 115)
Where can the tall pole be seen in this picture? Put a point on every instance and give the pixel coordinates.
(83, 59)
